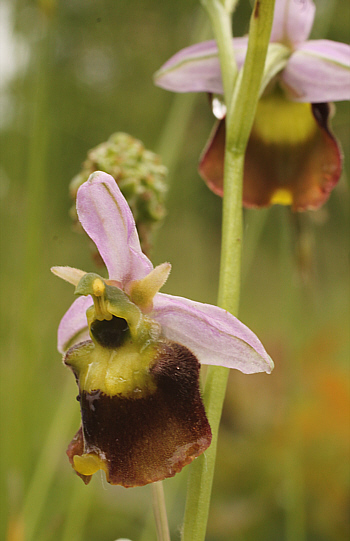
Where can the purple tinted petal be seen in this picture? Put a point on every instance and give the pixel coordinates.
(197, 68)
(318, 71)
(212, 334)
(107, 219)
(292, 21)
(73, 326)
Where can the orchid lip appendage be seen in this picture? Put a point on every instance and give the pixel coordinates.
(143, 354)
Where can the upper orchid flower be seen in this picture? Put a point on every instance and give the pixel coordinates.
(292, 157)
(138, 376)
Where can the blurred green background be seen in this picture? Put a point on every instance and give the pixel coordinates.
(72, 73)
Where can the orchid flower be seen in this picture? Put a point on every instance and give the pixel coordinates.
(135, 353)
(292, 157)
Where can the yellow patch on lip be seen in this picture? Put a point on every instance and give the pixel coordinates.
(282, 197)
(283, 122)
(124, 371)
(88, 464)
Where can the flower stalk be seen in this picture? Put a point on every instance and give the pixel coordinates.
(241, 110)
(159, 510)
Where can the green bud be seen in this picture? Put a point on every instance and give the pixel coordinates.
(139, 174)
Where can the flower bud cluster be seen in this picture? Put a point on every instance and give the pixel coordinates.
(139, 174)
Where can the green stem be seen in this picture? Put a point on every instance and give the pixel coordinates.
(230, 266)
(202, 469)
(294, 297)
(239, 121)
(159, 511)
(241, 114)
(220, 19)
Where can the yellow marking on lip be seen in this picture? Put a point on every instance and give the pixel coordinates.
(282, 197)
(282, 122)
(123, 371)
(88, 464)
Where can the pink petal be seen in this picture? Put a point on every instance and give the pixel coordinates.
(73, 326)
(293, 20)
(318, 71)
(212, 334)
(107, 219)
(197, 68)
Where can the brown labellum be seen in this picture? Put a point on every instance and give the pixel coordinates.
(150, 437)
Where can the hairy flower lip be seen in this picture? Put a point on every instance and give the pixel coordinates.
(142, 438)
(137, 430)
